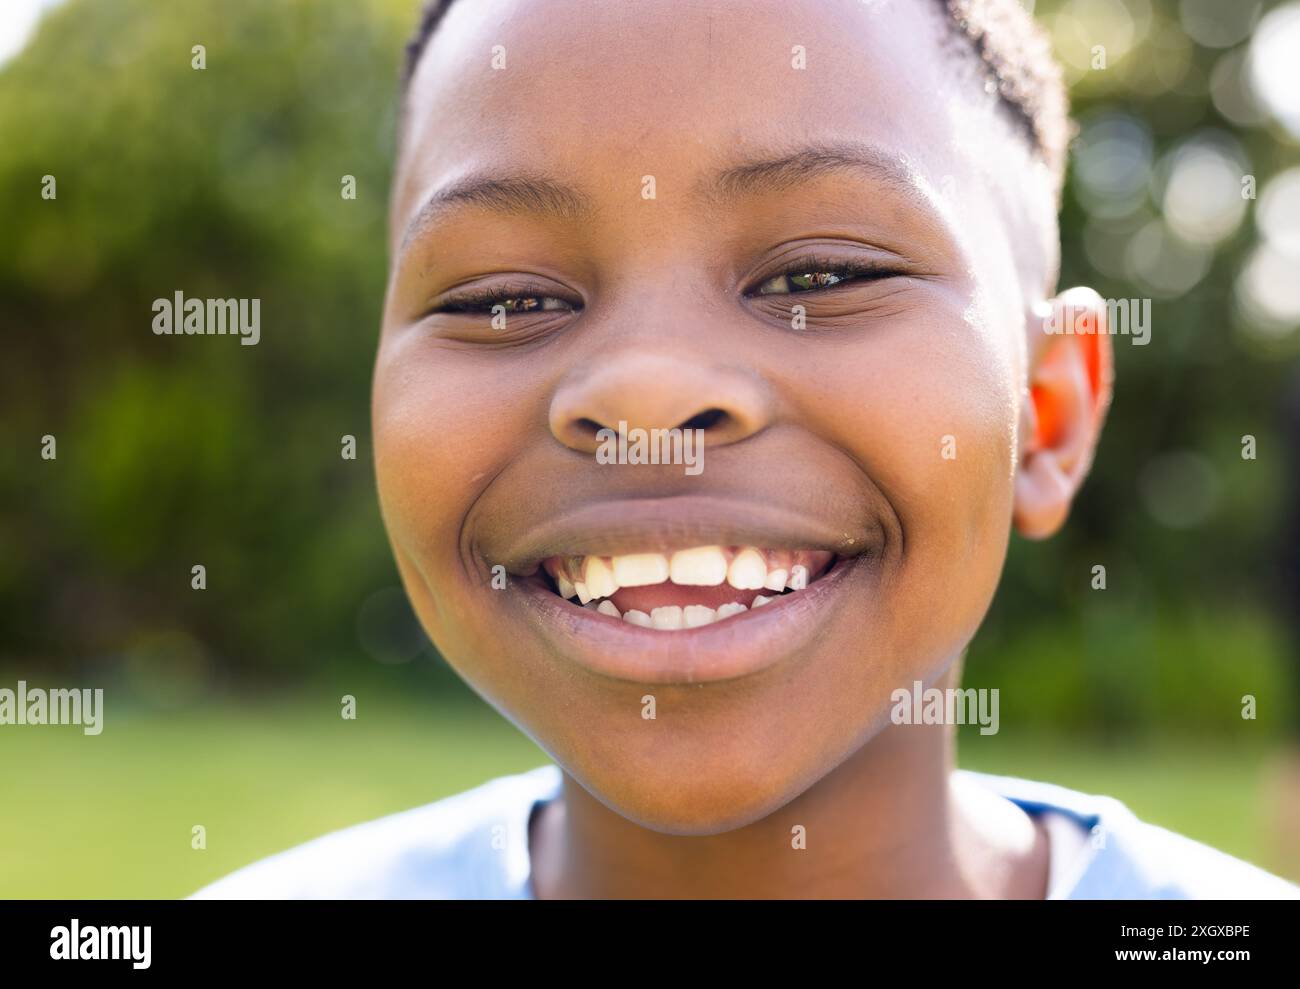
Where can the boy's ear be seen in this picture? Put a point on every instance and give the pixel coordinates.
(1070, 375)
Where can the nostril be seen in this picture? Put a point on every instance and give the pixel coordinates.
(705, 420)
(588, 427)
(585, 430)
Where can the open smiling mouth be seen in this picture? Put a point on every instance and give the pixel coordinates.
(693, 588)
(686, 589)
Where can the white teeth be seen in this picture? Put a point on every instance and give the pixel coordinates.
(598, 577)
(640, 569)
(672, 617)
(747, 570)
(635, 617)
(705, 566)
(695, 615)
(594, 579)
(668, 617)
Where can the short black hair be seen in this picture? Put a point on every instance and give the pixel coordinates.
(1013, 54)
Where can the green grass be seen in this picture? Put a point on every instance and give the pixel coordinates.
(111, 816)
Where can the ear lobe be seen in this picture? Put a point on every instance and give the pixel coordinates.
(1070, 381)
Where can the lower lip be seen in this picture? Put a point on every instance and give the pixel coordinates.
(739, 646)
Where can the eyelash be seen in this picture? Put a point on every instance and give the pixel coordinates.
(843, 270)
(481, 301)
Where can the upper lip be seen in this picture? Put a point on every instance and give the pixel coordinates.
(649, 525)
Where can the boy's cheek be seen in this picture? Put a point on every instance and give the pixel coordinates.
(933, 427)
(929, 413)
(441, 437)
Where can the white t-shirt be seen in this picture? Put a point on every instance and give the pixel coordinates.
(1069, 849)
(474, 845)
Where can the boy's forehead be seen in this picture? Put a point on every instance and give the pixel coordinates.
(595, 91)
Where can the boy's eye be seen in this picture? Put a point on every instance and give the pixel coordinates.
(803, 282)
(817, 275)
(486, 303)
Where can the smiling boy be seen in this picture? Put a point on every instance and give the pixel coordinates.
(823, 233)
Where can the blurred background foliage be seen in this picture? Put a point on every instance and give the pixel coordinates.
(226, 182)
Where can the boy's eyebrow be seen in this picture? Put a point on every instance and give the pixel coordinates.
(526, 192)
(509, 194)
(783, 170)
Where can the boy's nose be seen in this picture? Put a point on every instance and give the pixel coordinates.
(659, 391)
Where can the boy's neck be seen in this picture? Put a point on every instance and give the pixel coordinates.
(889, 822)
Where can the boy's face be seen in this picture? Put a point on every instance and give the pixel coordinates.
(883, 436)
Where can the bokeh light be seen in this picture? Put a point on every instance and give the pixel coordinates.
(1275, 65)
(1202, 184)
(1219, 23)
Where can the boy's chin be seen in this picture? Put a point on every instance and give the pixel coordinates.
(696, 805)
(677, 794)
